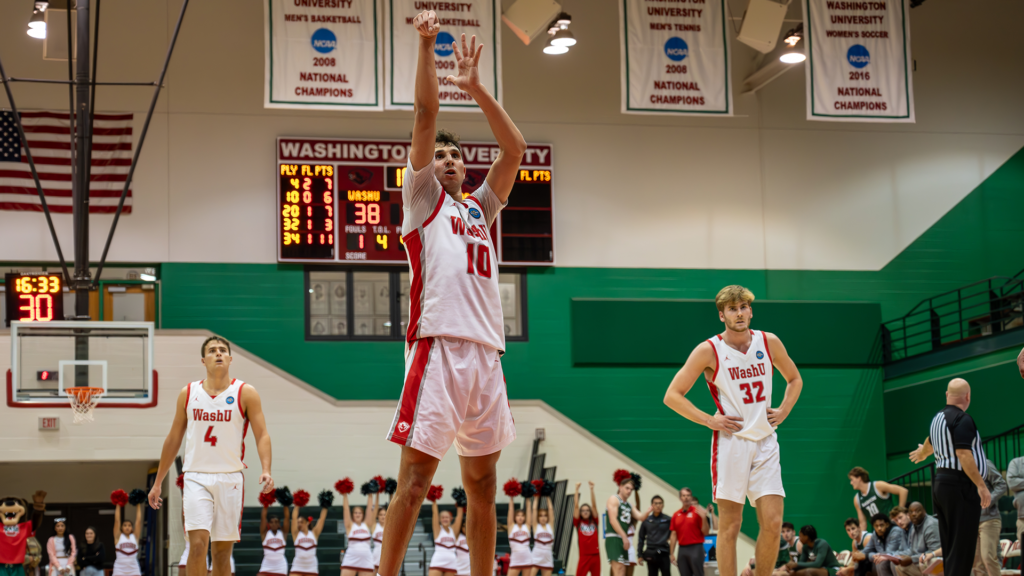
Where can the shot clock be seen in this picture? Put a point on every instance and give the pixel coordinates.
(340, 200)
(34, 297)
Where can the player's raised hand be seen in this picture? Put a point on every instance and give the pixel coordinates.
(426, 24)
(154, 497)
(777, 416)
(267, 481)
(725, 423)
(468, 59)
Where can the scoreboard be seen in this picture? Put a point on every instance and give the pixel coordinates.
(33, 297)
(340, 200)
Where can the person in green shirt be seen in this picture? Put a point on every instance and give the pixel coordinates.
(816, 558)
(788, 550)
(617, 520)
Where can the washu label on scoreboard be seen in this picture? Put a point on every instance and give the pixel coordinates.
(340, 200)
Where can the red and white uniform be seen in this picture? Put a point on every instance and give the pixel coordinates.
(462, 556)
(305, 561)
(454, 387)
(183, 562)
(444, 552)
(274, 561)
(543, 540)
(358, 554)
(631, 553)
(214, 450)
(744, 464)
(519, 542)
(378, 544)
(126, 556)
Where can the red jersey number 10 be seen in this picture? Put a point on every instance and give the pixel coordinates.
(210, 437)
(749, 398)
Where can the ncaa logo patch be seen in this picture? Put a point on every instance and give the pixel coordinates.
(403, 427)
(858, 56)
(759, 355)
(231, 399)
(474, 212)
(443, 44)
(676, 49)
(324, 41)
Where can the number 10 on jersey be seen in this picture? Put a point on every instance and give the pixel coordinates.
(478, 257)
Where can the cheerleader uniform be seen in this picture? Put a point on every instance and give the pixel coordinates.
(632, 545)
(444, 552)
(305, 561)
(519, 541)
(183, 562)
(274, 562)
(378, 545)
(127, 560)
(543, 540)
(358, 556)
(462, 556)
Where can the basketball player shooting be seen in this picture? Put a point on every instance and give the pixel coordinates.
(454, 388)
(737, 365)
(212, 415)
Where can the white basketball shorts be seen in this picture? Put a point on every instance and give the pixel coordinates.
(454, 392)
(745, 468)
(213, 502)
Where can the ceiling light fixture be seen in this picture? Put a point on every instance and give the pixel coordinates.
(559, 37)
(37, 24)
(792, 55)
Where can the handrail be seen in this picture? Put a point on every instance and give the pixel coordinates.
(956, 290)
(991, 442)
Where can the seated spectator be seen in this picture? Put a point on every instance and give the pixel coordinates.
(788, 551)
(1015, 480)
(922, 541)
(859, 565)
(816, 556)
(90, 556)
(888, 541)
(899, 517)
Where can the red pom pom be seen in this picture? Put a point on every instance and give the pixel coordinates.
(435, 492)
(537, 485)
(118, 497)
(381, 483)
(513, 488)
(301, 498)
(267, 498)
(180, 482)
(344, 486)
(621, 475)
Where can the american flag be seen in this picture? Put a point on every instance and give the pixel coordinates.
(48, 136)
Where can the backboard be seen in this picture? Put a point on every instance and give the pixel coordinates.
(47, 358)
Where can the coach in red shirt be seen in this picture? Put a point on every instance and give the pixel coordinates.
(689, 526)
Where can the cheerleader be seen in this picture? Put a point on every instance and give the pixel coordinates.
(126, 535)
(273, 538)
(543, 538)
(61, 550)
(358, 558)
(378, 537)
(520, 559)
(462, 551)
(304, 537)
(443, 561)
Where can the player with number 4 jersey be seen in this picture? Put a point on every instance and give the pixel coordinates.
(738, 365)
(213, 416)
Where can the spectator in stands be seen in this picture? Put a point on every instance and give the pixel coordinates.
(899, 517)
(858, 565)
(1015, 481)
(61, 550)
(652, 540)
(922, 541)
(873, 497)
(585, 521)
(90, 557)
(689, 526)
(816, 557)
(789, 550)
(887, 542)
(986, 559)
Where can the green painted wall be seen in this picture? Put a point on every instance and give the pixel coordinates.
(839, 422)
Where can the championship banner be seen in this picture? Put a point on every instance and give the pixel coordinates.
(478, 17)
(674, 57)
(858, 67)
(322, 54)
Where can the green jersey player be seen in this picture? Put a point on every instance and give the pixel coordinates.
(873, 497)
(617, 519)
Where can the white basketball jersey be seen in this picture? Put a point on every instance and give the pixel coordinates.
(454, 272)
(215, 436)
(742, 384)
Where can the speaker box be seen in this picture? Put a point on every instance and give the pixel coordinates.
(530, 18)
(762, 23)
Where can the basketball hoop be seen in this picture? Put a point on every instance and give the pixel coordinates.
(83, 402)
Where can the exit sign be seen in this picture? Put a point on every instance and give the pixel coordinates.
(49, 423)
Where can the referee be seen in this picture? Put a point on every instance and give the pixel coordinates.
(958, 489)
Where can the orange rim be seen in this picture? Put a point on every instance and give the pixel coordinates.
(83, 393)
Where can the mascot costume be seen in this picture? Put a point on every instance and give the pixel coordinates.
(18, 528)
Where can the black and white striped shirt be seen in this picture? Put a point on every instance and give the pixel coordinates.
(953, 429)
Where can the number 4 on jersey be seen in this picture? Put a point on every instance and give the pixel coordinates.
(210, 437)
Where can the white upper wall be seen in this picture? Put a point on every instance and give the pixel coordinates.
(765, 189)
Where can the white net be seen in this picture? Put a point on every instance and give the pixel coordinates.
(83, 403)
